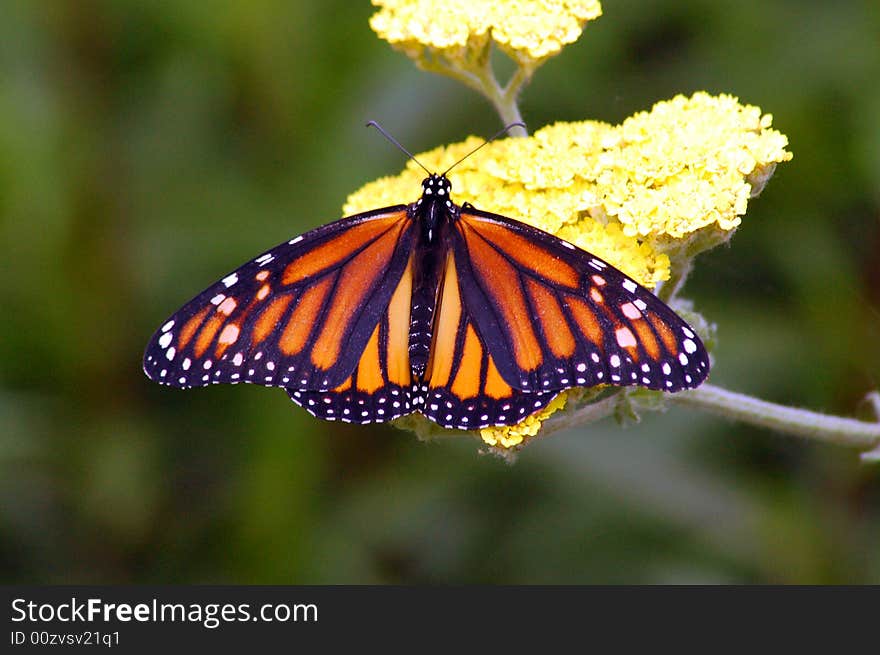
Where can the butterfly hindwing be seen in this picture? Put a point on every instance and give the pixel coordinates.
(380, 386)
(555, 316)
(299, 315)
(464, 388)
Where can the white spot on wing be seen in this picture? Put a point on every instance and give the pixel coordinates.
(229, 334)
(229, 280)
(227, 306)
(625, 337)
(165, 340)
(629, 310)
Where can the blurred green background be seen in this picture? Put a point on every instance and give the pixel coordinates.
(147, 148)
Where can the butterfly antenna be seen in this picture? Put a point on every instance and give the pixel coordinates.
(396, 143)
(505, 130)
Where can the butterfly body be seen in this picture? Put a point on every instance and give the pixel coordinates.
(432, 214)
(471, 318)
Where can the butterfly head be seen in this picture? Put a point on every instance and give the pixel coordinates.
(436, 185)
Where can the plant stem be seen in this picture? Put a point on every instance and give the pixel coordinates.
(589, 413)
(836, 430)
(480, 77)
(504, 99)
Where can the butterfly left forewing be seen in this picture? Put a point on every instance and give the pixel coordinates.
(300, 314)
(556, 317)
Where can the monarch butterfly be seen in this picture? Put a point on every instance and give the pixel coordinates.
(471, 318)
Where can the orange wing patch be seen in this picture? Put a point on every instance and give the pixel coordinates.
(206, 336)
(369, 370)
(496, 273)
(647, 339)
(552, 320)
(397, 355)
(526, 252)
(467, 380)
(446, 325)
(356, 279)
(665, 333)
(190, 327)
(335, 250)
(302, 320)
(269, 318)
(495, 386)
(587, 321)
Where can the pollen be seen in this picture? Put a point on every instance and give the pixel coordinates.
(513, 436)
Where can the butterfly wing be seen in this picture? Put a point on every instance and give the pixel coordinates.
(553, 316)
(464, 388)
(380, 386)
(300, 315)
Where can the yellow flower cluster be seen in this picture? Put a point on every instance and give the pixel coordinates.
(628, 193)
(689, 163)
(514, 435)
(457, 29)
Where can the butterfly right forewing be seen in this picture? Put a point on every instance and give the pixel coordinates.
(555, 316)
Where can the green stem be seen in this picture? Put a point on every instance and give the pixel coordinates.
(509, 113)
(679, 272)
(589, 413)
(836, 430)
(504, 99)
(480, 77)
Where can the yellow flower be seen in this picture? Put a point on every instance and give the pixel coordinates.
(459, 29)
(681, 174)
(513, 436)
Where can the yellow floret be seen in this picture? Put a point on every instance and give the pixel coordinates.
(457, 29)
(511, 436)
